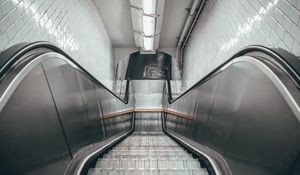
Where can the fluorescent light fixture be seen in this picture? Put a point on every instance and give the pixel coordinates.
(148, 43)
(149, 6)
(144, 22)
(148, 25)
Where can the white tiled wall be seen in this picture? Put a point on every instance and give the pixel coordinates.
(225, 27)
(73, 25)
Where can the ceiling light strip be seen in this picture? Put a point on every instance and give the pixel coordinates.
(148, 43)
(146, 21)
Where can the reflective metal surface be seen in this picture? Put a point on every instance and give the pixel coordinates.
(69, 101)
(30, 128)
(249, 114)
(148, 122)
(50, 109)
(90, 99)
(118, 124)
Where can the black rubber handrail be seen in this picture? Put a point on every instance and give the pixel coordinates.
(289, 62)
(13, 54)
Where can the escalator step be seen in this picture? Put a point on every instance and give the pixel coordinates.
(98, 171)
(185, 156)
(148, 163)
(148, 153)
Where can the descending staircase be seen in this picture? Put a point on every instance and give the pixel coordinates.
(148, 153)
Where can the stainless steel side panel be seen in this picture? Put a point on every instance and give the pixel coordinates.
(30, 130)
(49, 110)
(89, 94)
(148, 122)
(69, 100)
(226, 103)
(243, 115)
(118, 124)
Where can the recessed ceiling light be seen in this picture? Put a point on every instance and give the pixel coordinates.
(148, 43)
(148, 25)
(149, 6)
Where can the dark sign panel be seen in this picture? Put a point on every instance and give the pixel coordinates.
(149, 66)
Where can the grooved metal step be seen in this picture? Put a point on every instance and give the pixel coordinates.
(148, 153)
(147, 164)
(99, 171)
(185, 156)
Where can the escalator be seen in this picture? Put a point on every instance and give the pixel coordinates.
(148, 151)
(56, 118)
